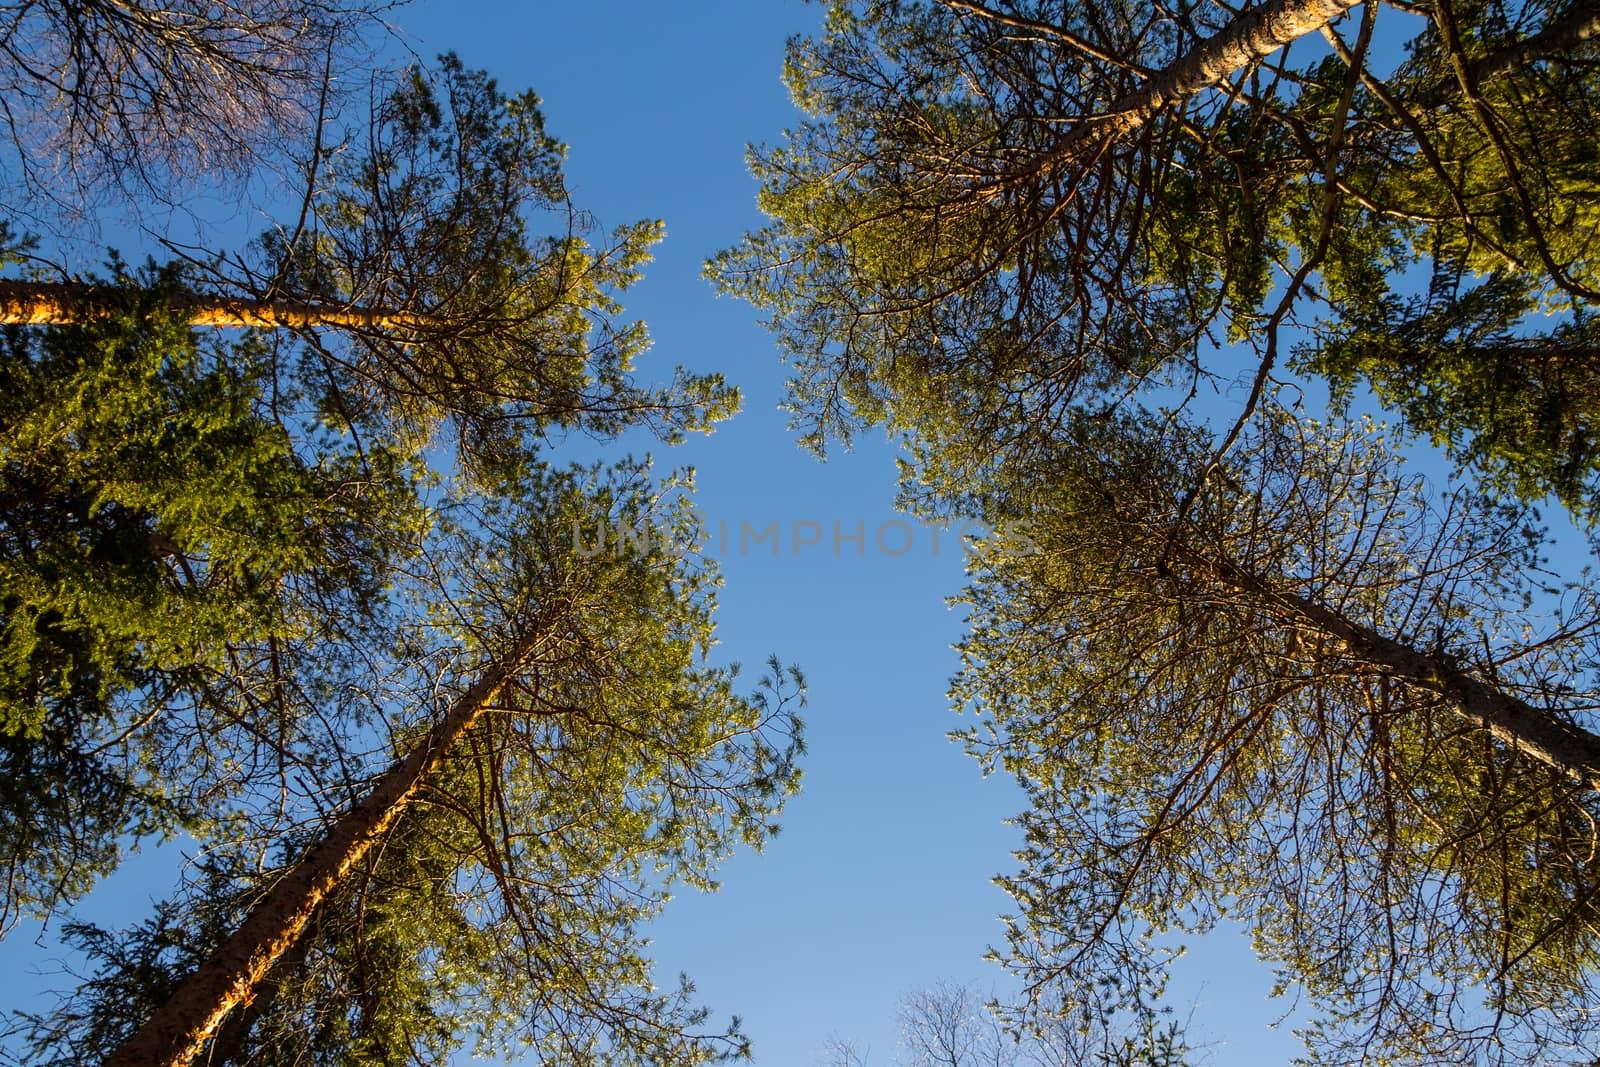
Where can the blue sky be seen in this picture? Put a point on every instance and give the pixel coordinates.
(880, 882)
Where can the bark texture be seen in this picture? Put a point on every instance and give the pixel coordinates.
(1248, 39)
(1536, 732)
(179, 1030)
(63, 303)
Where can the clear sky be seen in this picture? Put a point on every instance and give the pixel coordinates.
(880, 882)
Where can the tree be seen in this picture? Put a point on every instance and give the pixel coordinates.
(948, 1025)
(589, 760)
(195, 526)
(1519, 411)
(1491, 358)
(999, 211)
(33, 303)
(441, 276)
(531, 836)
(165, 547)
(1280, 683)
(1272, 707)
(957, 226)
(142, 99)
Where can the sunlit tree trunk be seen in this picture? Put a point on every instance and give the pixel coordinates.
(63, 303)
(1536, 733)
(178, 1031)
(1248, 39)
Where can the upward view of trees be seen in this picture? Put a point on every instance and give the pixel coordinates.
(1272, 323)
(306, 589)
(492, 881)
(1096, 266)
(1005, 212)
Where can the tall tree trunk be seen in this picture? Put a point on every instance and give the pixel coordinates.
(1558, 38)
(63, 303)
(178, 1031)
(1537, 733)
(1250, 38)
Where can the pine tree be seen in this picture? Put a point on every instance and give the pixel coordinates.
(490, 883)
(169, 553)
(359, 512)
(997, 212)
(1323, 704)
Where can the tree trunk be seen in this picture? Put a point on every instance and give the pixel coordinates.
(178, 1031)
(1533, 731)
(64, 303)
(1558, 38)
(1248, 39)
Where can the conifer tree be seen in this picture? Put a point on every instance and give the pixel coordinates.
(347, 627)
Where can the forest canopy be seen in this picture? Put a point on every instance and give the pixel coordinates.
(1273, 325)
(289, 579)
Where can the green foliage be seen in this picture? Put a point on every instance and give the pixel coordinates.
(157, 531)
(957, 255)
(455, 215)
(202, 538)
(1193, 747)
(1494, 200)
(240, 579)
(952, 258)
(914, 268)
(1518, 409)
(507, 906)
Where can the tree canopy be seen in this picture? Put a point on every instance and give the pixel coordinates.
(198, 523)
(170, 554)
(994, 213)
(503, 904)
(1094, 265)
(129, 102)
(1280, 709)
(310, 593)
(1129, 281)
